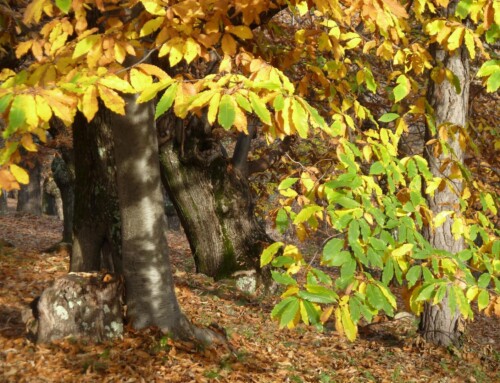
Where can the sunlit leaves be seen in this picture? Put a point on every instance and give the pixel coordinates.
(19, 174)
(491, 71)
(64, 5)
(166, 100)
(402, 89)
(111, 99)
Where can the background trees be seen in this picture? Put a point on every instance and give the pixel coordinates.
(352, 75)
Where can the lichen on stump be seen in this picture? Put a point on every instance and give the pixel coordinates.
(80, 305)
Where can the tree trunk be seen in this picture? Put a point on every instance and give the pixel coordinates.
(96, 226)
(150, 294)
(64, 177)
(438, 324)
(51, 200)
(213, 201)
(29, 198)
(3, 202)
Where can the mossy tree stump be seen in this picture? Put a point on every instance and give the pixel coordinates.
(80, 305)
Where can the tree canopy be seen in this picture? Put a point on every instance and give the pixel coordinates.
(352, 74)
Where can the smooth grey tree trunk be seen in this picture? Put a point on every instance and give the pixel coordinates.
(149, 284)
(29, 199)
(439, 324)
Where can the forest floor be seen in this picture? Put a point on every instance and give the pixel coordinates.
(388, 351)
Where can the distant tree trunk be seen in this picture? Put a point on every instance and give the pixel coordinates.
(51, 200)
(64, 177)
(438, 324)
(3, 202)
(213, 200)
(96, 224)
(150, 294)
(29, 198)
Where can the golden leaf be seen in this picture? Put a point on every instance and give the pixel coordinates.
(191, 50)
(43, 109)
(27, 143)
(228, 45)
(111, 100)
(19, 174)
(241, 31)
(89, 103)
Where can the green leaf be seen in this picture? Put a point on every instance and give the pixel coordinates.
(413, 275)
(166, 100)
(17, 116)
(318, 294)
(374, 296)
(323, 277)
(370, 81)
(243, 102)
(260, 108)
(227, 113)
(64, 5)
(278, 103)
(278, 309)
(332, 248)
(388, 117)
(483, 299)
(402, 89)
(268, 254)
(283, 278)
(463, 8)
(289, 312)
(426, 292)
(287, 182)
(5, 102)
(282, 220)
(484, 280)
(85, 45)
(306, 213)
(388, 273)
(493, 82)
(377, 168)
(312, 313)
(299, 119)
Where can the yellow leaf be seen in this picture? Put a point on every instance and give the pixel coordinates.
(402, 250)
(292, 290)
(441, 217)
(89, 103)
(153, 7)
(151, 26)
(350, 329)
(29, 107)
(240, 121)
(191, 50)
(213, 108)
(241, 31)
(469, 43)
(176, 51)
(302, 8)
(228, 45)
(43, 109)
(117, 83)
(19, 174)
(120, 53)
(325, 315)
(27, 142)
(85, 45)
(140, 80)
(33, 11)
(455, 39)
(153, 70)
(112, 100)
(23, 48)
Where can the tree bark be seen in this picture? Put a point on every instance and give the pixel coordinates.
(29, 198)
(439, 324)
(96, 226)
(213, 200)
(150, 294)
(64, 177)
(78, 305)
(3, 202)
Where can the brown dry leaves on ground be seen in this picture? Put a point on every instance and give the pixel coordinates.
(387, 351)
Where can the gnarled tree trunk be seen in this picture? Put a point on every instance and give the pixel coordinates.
(439, 324)
(213, 200)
